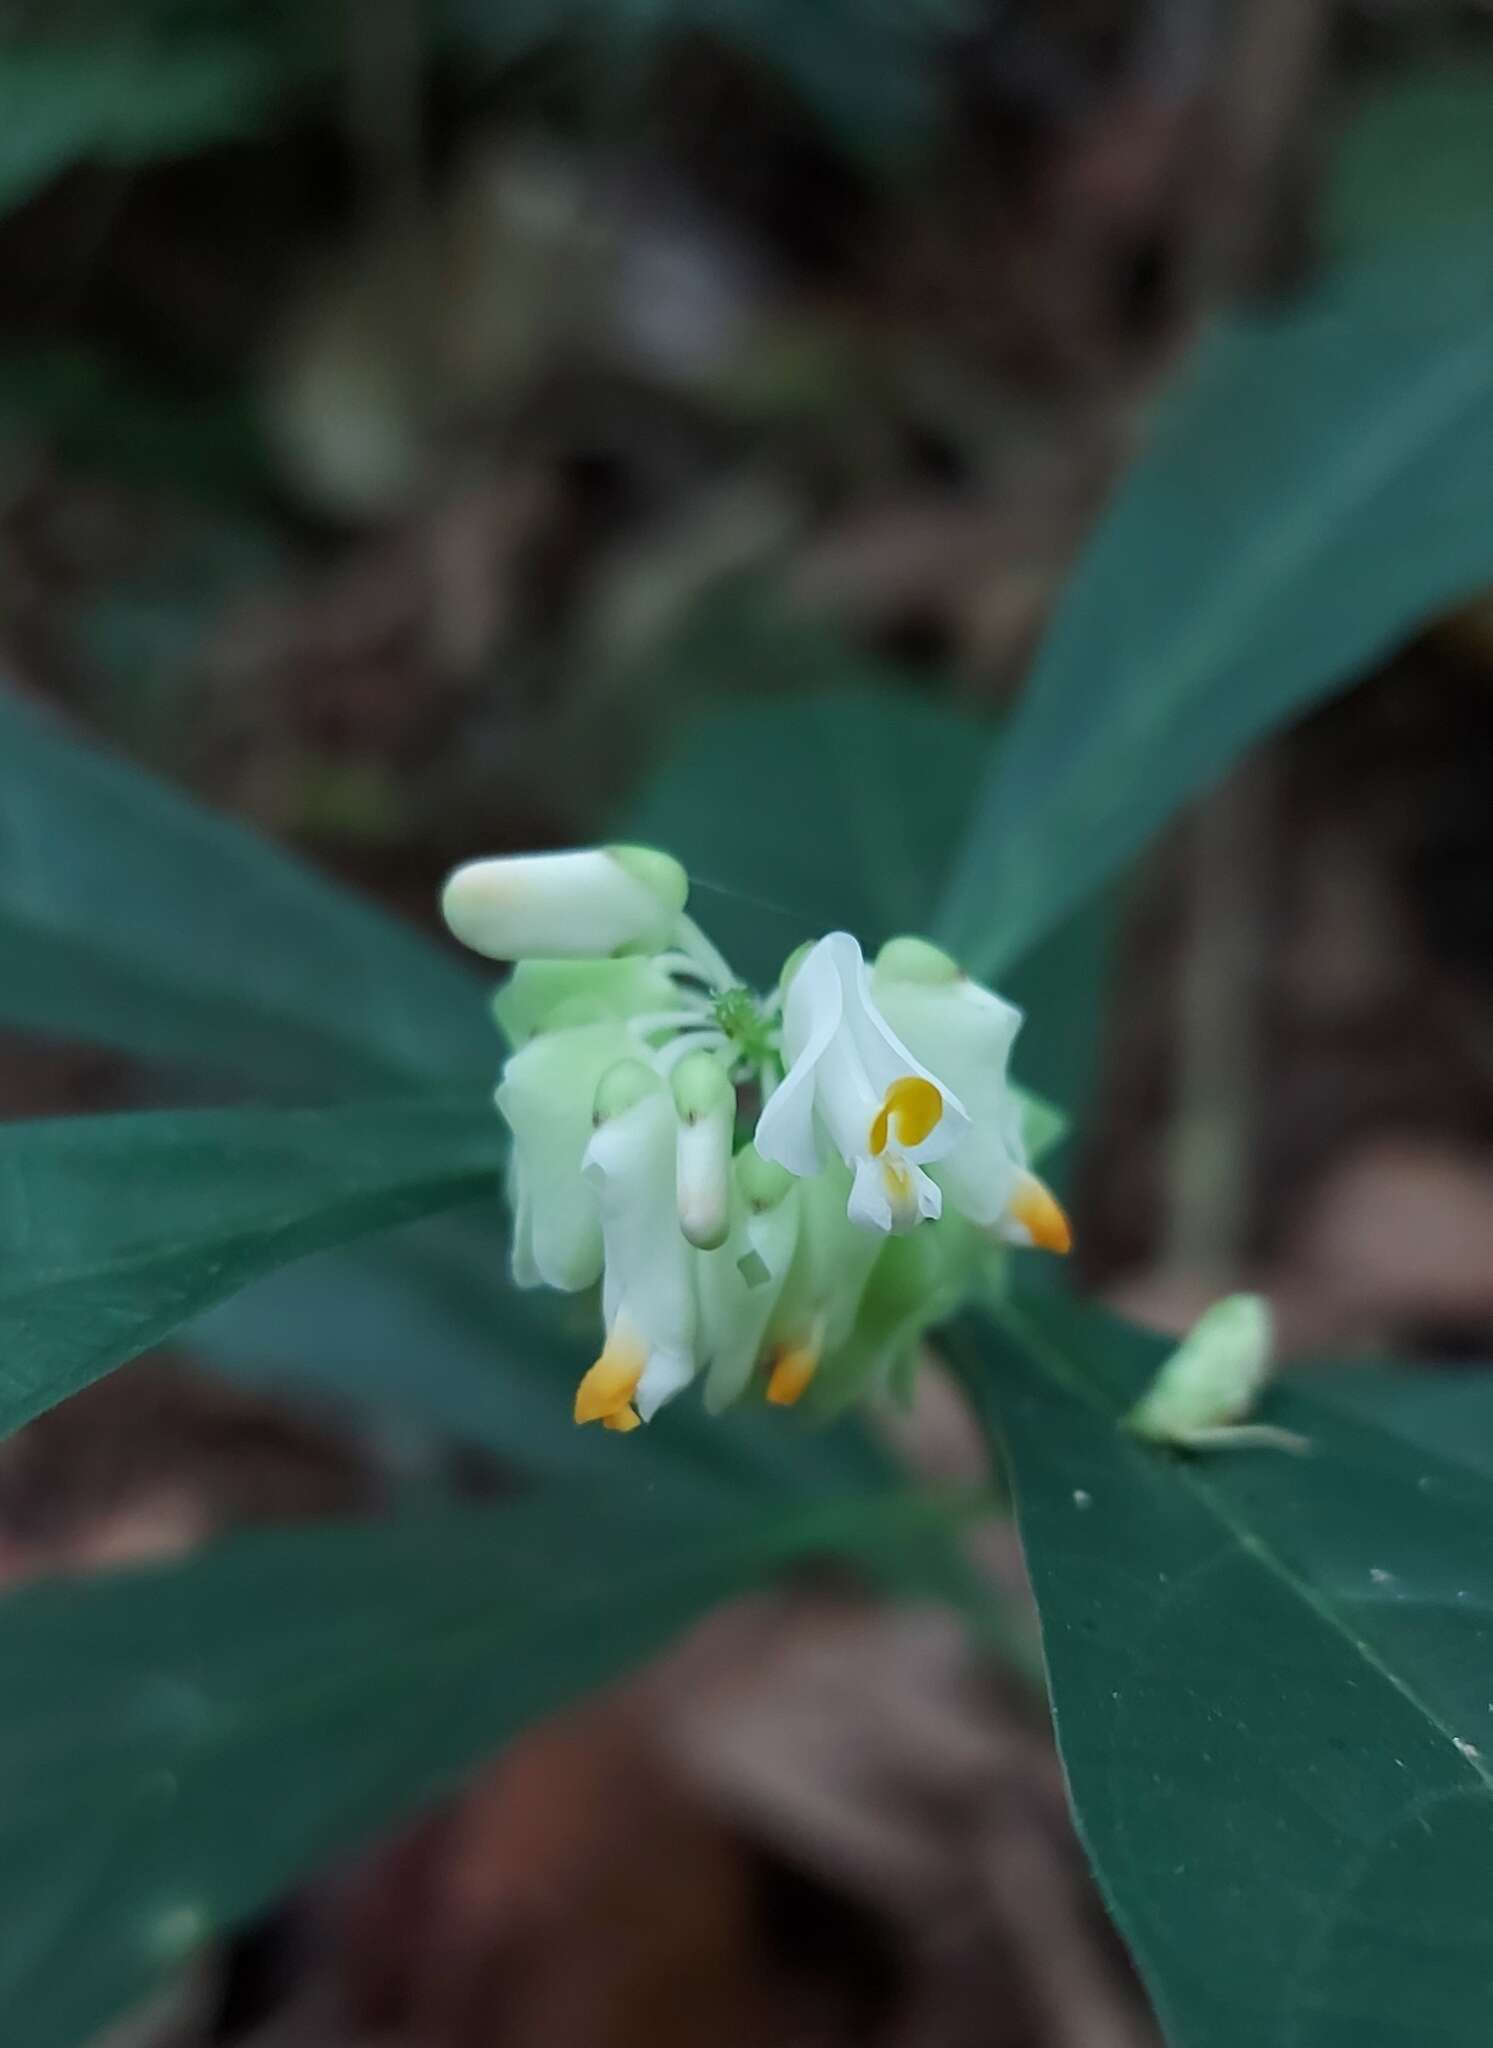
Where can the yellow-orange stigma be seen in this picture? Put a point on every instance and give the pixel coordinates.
(605, 1394)
(914, 1105)
(793, 1370)
(1037, 1210)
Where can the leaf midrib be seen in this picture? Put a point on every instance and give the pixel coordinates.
(1055, 1362)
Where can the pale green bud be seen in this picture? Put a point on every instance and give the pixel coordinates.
(706, 1105)
(794, 961)
(762, 1181)
(913, 959)
(625, 1084)
(1211, 1382)
(565, 906)
(549, 995)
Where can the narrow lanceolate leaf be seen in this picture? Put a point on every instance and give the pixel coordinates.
(177, 1746)
(1321, 484)
(116, 1230)
(131, 917)
(1270, 1677)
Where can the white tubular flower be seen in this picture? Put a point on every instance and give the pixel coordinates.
(965, 1033)
(567, 906)
(648, 1296)
(545, 1097)
(705, 1102)
(851, 1078)
(739, 1285)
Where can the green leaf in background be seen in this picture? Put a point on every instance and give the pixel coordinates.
(121, 102)
(116, 1230)
(1271, 1682)
(1320, 485)
(131, 917)
(1416, 158)
(178, 1745)
(844, 806)
(873, 77)
(798, 815)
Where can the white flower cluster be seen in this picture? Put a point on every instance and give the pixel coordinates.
(794, 1185)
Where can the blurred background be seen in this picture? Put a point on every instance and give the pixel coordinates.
(409, 412)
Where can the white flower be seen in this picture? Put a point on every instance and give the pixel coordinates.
(566, 906)
(965, 1033)
(648, 1300)
(851, 1079)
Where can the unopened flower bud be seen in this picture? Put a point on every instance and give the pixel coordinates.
(706, 1104)
(561, 906)
(622, 1087)
(911, 959)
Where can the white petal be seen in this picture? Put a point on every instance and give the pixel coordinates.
(630, 1161)
(887, 1059)
(870, 1206)
(785, 1130)
(545, 1098)
(980, 1176)
(666, 1374)
(962, 1031)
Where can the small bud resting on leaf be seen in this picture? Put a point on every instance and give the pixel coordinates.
(781, 1190)
(1199, 1399)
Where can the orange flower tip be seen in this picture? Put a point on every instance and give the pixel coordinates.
(792, 1372)
(622, 1420)
(1036, 1209)
(610, 1384)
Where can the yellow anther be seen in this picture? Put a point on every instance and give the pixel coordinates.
(915, 1104)
(609, 1386)
(792, 1372)
(1036, 1209)
(622, 1420)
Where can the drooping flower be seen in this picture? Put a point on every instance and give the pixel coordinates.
(813, 1252)
(648, 1296)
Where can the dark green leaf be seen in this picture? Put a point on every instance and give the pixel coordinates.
(798, 815)
(116, 1230)
(1417, 157)
(872, 76)
(178, 1745)
(131, 917)
(120, 102)
(1270, 1677)
(1321, 484)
